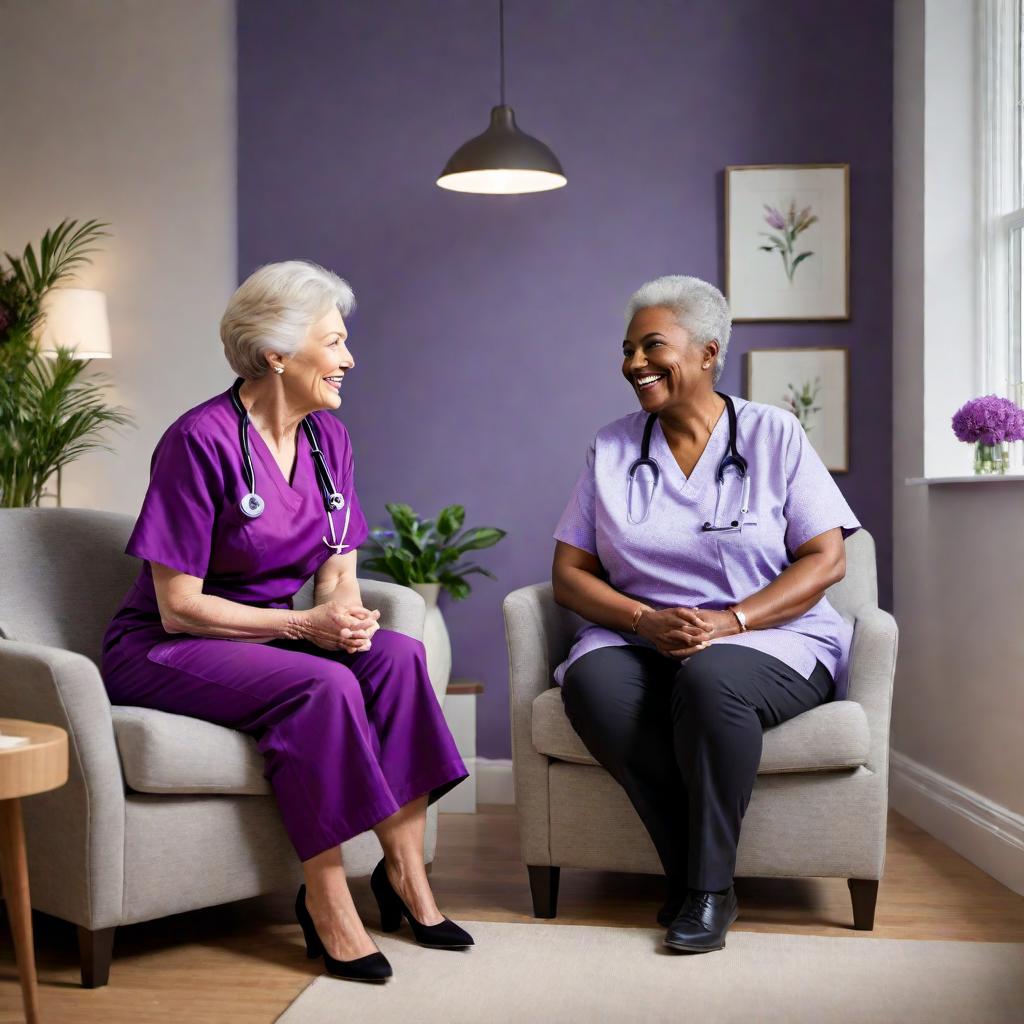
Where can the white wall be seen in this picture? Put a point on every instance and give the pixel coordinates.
(952, 374)
(958, 715)
(124, 110)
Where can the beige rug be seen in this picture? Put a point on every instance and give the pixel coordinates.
(568, 974)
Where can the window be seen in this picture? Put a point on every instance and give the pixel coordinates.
(1001, 194)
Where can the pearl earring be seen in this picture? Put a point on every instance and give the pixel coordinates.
(278, 369)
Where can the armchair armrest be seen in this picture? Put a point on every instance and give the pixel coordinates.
(401, 609)
(75, 834)
(872, 670)
(538, 633)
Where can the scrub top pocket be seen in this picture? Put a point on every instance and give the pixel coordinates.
(745, 556)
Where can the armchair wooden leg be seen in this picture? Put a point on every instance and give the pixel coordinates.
(863, 893)
(544, 889)
(95, 949)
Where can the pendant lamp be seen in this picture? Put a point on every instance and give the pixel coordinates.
(503, 160)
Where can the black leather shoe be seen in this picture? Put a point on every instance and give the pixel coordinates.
(669, 910)
(674, 900)
(374, 967)
(444, 935)
(703, 921)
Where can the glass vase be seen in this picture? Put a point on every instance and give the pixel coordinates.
(991, 458)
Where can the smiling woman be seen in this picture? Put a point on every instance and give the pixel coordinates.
(345, 715)
(698, 308)
(707, 620)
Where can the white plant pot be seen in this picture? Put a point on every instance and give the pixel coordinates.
(435, 639)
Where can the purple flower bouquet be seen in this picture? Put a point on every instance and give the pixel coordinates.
(990, 423)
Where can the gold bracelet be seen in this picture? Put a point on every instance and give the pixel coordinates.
(637, 615)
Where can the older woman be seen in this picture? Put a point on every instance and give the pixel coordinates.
(699, 542)
(250, 494)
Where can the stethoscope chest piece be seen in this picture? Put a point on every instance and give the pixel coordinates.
(252, 505)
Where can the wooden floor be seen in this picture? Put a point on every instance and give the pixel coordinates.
(244, 962)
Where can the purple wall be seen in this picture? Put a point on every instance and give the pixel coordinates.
(488, 333)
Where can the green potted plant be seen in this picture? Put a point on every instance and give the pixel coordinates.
(428, 556)
(49, 414)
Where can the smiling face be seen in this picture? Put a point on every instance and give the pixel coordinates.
(313, 376)
(661, 362)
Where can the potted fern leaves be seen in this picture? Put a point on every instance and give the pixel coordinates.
(49, 413)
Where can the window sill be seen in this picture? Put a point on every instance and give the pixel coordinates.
(994, 478)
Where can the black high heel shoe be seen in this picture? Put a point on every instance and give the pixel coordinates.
(374, 967)
(444, 935)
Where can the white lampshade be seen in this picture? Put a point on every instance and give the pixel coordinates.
(76, 318)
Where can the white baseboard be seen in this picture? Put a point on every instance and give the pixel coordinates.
(984, 832)
(494, 781)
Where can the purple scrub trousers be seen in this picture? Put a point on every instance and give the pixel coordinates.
(347, 739)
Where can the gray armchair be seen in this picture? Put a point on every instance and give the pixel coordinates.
(161, 813)
(820, 801)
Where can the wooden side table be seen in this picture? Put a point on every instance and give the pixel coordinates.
(34, 767)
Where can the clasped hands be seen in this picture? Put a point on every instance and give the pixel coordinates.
(680, 632)
(335, 626)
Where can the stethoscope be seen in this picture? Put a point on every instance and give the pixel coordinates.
(253, 505)
(732, 458)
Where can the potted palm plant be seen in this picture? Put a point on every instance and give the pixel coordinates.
(49, 414)
(428, 556)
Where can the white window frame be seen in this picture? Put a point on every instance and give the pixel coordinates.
(1000, 199)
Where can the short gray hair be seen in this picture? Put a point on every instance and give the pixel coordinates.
(698, 307)
(273, 309)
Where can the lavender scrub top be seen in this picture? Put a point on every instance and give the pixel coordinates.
(192, 522)
(668, 561)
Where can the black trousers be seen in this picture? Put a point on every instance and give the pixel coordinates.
(684, 741)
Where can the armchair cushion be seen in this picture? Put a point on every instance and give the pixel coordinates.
(830, 737)
(165, 753)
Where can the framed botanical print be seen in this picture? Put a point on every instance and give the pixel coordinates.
(813, 384)
(787, 241)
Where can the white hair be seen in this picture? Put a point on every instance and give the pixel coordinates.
(273, 309)
(698, 307)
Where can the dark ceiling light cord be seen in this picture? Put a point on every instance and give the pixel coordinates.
(502, 160)
(501, 45)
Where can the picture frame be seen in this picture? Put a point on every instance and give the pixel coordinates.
(815, 380)
(787, 241)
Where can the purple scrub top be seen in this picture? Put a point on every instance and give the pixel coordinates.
(191, 519)
(668, 561)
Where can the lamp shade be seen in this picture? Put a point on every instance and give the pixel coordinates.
(75, 318)
(502, 161)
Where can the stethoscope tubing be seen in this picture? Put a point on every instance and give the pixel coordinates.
(252, 504)
(731, 458)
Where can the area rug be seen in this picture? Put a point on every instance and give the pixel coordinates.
(569, 974)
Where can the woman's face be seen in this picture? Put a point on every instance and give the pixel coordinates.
(664, 367)
(312, 377)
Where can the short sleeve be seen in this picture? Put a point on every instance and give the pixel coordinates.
(813, 501)
(577, 525)
(175, 526)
